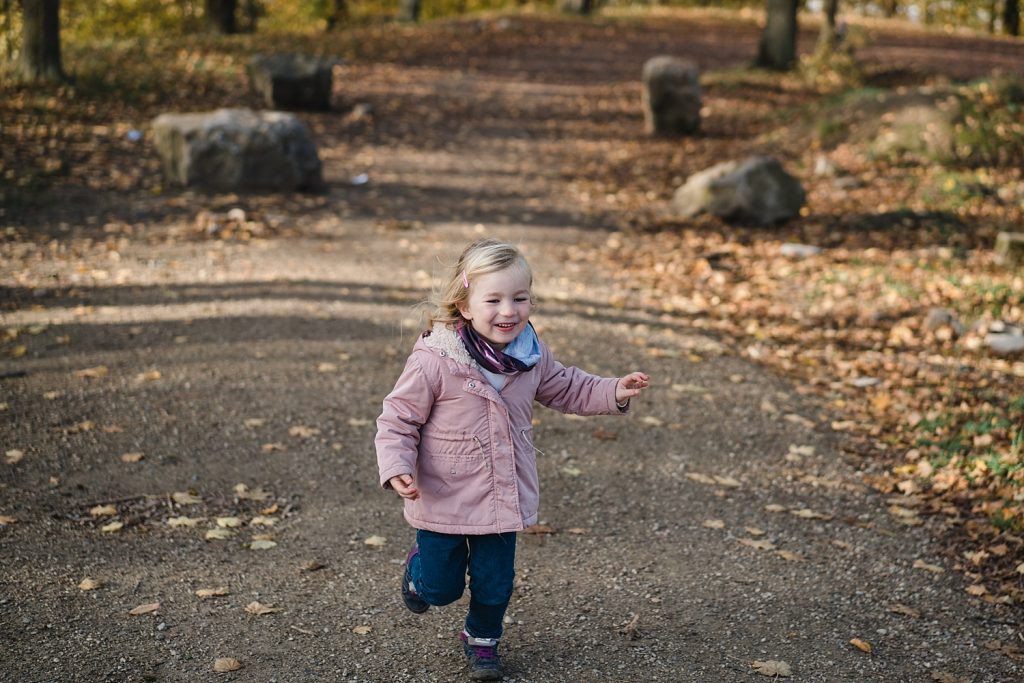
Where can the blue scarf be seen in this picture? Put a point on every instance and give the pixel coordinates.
(519, 356)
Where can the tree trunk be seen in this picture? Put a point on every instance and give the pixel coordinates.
(891, 7)
(40, 41)
(778, 41)
(338, 14)
(1011, 18)
(827, 39)
(220, 15)
(409, 10)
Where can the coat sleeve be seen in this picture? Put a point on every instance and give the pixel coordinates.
(406, 408)
(571, 390)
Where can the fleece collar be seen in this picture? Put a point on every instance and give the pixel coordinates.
(443, 338)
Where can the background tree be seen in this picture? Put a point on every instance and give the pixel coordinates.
(40, 41)
(1011, 17)
(827, 39)
(220, 15)
(778, 41)
(337, 14)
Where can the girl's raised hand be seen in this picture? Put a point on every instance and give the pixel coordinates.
(631, 385)
(404, 486)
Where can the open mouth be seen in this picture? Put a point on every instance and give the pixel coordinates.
(505, 326)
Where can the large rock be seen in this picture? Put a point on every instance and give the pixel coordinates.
(237, 149)
(292, 81)
(671, 96)
(757, 189)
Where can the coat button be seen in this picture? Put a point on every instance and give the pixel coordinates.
(472, 385)
(443, 354)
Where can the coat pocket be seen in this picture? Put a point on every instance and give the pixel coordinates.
(454, 479)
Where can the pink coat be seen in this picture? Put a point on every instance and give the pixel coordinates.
(469, 447)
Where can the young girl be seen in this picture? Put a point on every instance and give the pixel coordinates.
(455, 440)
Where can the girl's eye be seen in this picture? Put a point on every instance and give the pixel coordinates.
(492, 301)
(521, 299)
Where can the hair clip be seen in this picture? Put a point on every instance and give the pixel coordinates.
(465, 280)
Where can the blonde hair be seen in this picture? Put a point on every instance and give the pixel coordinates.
(479, 258)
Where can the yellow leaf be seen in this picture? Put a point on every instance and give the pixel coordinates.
(861, 645)
(145, 609)
(112, 527)
(934, 569)
(229, 522)
(326, 367)
(1020, 568)
(651, 420)
(225, 664)
(150, 376)
(51, 395)
(131, 457)
(269, 510)
(19, 351)
(204, 593)
(185, 498)
(303, 432)
(103, 511)
(259, 608)
(262, 545)
(88, 584)
(14, 455)
(245, 493)
(714, 524)
(362, 630)
(92, 373)
(183, 521)
(376, 541)
(773, 668)
(218, 535)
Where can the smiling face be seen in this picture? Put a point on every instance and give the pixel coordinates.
(499, 305)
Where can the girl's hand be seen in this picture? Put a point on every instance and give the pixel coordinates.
(631, 385)
(404, 486)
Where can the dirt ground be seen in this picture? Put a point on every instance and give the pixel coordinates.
(717, 525)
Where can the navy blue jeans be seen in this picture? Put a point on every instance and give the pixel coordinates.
(439, 574)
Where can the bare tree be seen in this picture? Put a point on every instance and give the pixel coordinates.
(40, 41)
(778, 41)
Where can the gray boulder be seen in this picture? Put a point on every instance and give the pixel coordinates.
(757, 189)
(237, 149)
(671, 96)
(292, 81)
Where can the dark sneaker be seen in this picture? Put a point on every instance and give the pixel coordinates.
(484, 661)
(414, 602)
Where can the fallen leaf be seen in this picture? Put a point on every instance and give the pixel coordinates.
(275, 446)
(312, 566)
(604, 435)
(577, 531)
(701, 478)
(218, 535)
(799, 419)
(204, 593)
(254, 422)
(259, 608)
(151, 376)
(1020, 568)
(572, 471)
(727, 482)
(651, 420)
(326, 367)
(262, 544)
(775, 507)
(112, 527)
(245, 493)
(225, 664)
(904, 610)
(807, 513)
(359, 422)
(762, 544)
(6, 519)
(184, 521)
(229, 522)
(92, 373)
(861, 645)
(539, 530)
(89, 584)
(977, 589)
(185, 498)
(14, 455)
(51, 395)
(303, 432)
(79, 427)
(269, 510)
(977, 558)
(19, 351)
(260, 520)
(145, 608)
(714, 524)
(376, 541)
(131, 457)
(772, 667)
(103, 511)
(789, 555)
(801, 450)
(944, 677)
(933, 568)
(754, 531)
(362, 630)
